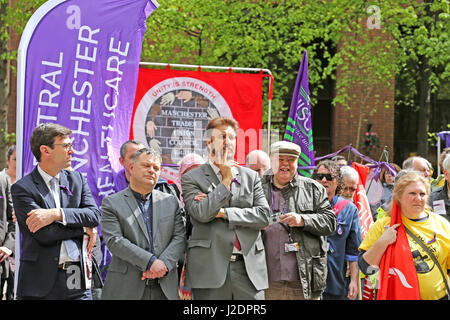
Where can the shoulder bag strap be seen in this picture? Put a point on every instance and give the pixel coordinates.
(432, 256)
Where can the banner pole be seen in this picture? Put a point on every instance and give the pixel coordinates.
(438, 156)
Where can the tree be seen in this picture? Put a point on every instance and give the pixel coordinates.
(421, 35)
(336, 34)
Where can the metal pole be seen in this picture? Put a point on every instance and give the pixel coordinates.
(438, 156)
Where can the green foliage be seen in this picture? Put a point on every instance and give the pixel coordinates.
(274, 34)
(8, 138)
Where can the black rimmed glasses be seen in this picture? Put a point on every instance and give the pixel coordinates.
(65, 146)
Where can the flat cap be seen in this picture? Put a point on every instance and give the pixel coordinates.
(285, 148)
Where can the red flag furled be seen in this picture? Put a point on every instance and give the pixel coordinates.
(368, 291)
(398, 276)
(360, 199)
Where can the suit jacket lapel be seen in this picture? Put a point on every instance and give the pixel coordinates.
(43, 189)
(156, 210)
(131, 201)
(210, 176)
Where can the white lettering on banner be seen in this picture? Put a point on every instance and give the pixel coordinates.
(115, 61)
(79, 129)
(107, 184)
(48, 95)
(82, 89)
(44, 118)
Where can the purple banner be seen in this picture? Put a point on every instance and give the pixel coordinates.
(78, 66)
(299, 124)
(445, 136)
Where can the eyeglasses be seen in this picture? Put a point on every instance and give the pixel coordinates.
(65, 146)
(320, 176)
(351, 189)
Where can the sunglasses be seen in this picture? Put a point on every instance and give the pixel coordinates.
(320, 176)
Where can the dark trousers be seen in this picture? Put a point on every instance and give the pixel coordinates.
(62, 291)
(153, 292)
(9, 283)
(237, 286)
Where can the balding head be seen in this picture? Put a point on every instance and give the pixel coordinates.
(418, 164)
(258, 161)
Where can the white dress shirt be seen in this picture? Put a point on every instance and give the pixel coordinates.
(219, 176)
(63, 256)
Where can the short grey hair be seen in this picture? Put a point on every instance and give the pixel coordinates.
(350, 173)
(258, 154)
(402, 172)
(123, 148)
(148, 151)
(446, 164)
(408, 163)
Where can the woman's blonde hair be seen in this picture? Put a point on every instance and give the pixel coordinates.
(403, 182)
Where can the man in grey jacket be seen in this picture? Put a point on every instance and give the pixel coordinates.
(144, 231)
(295, 242)
(228, 209)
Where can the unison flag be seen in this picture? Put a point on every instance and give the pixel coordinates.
(299, 124)
(398, 275)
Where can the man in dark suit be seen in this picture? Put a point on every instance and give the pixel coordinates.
(54, 208)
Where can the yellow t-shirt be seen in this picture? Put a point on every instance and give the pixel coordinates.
(431, 284)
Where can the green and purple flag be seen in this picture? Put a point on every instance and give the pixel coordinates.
(299, 124)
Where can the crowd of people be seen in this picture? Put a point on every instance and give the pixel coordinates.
(221, 231)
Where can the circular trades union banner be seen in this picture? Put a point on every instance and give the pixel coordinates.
(172, 116)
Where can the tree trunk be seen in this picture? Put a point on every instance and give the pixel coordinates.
(4, 93)
(424, 93)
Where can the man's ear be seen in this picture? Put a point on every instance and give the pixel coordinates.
(130, 166)
(209, 144)
(44, 150)
(121, 161)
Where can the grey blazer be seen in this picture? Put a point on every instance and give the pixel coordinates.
(126, 237)
(211, 243)
(7, 226)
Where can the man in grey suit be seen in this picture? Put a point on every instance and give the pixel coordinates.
(144, 230)
(227, 208)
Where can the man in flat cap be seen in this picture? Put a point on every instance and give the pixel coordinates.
(301, 218)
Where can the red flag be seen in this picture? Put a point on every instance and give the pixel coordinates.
(360, 199)
(398, 276)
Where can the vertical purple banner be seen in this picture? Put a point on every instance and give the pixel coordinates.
(78, 65)
(299, 124)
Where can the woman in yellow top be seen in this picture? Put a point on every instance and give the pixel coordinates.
(411, 194)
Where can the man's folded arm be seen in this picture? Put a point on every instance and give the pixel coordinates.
(48, 235)
(86, 214)
(205, 210)
(255, 217)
